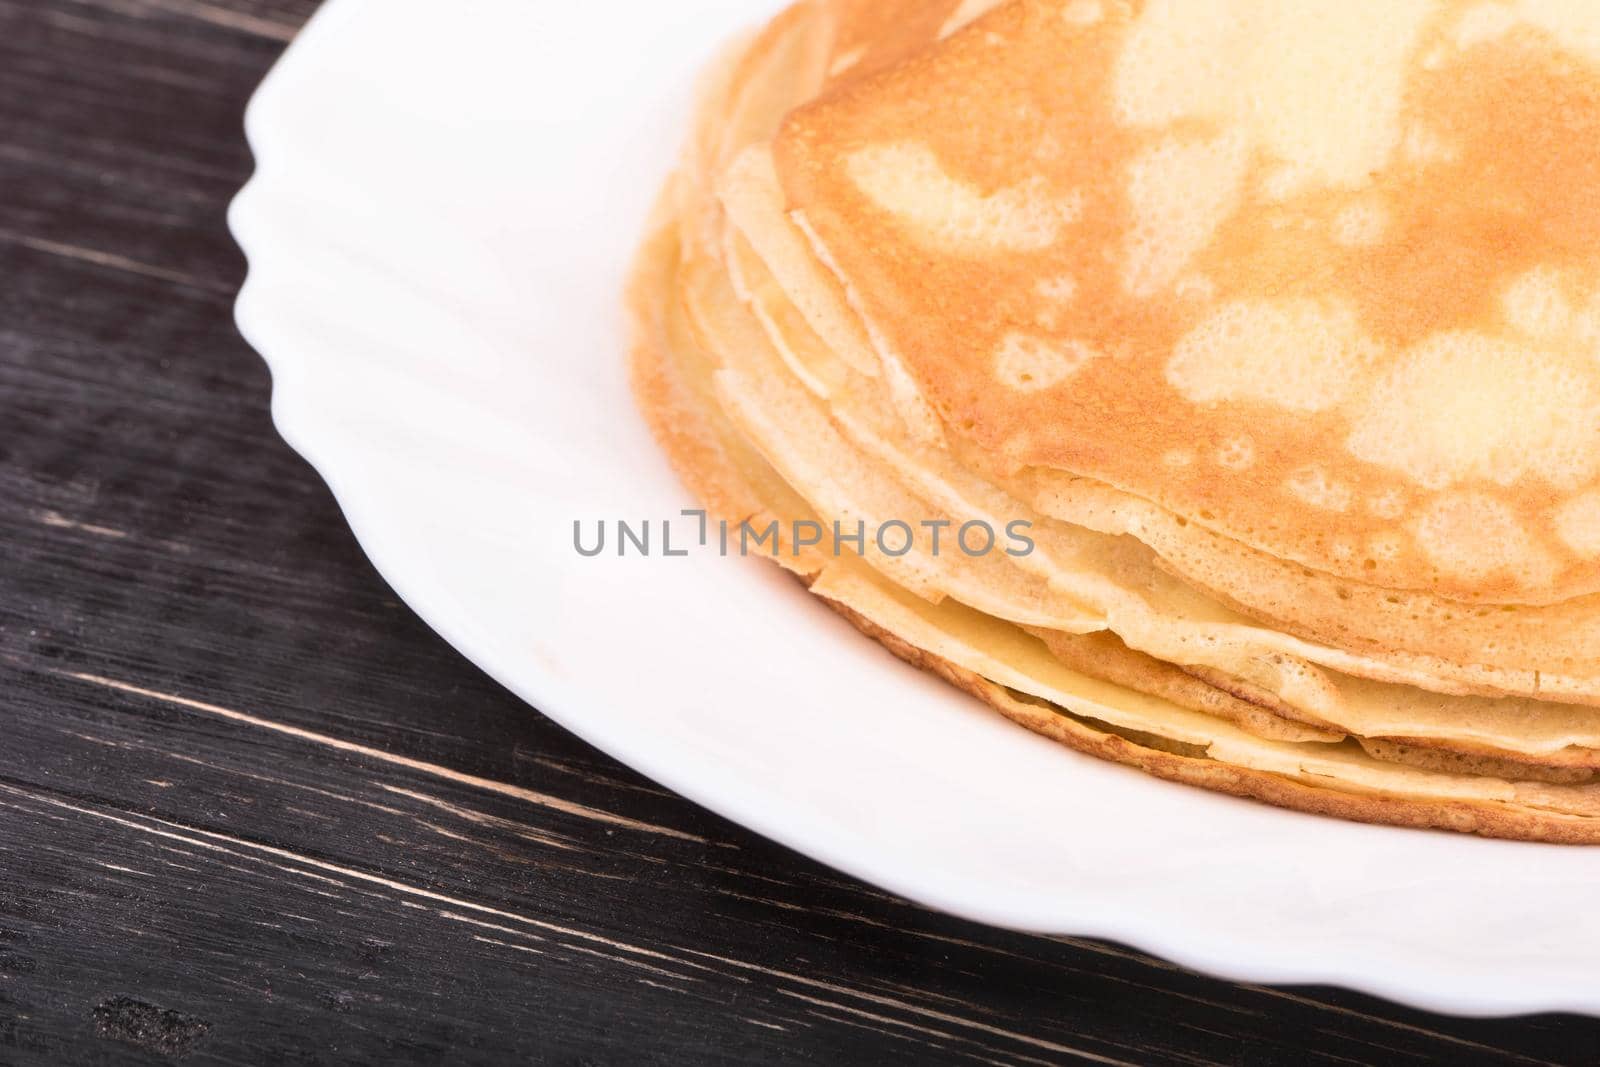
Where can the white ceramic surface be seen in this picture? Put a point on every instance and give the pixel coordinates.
(437, 233)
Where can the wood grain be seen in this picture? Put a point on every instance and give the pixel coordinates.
(251, 810)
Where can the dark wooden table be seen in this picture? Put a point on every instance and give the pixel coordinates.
(251, 810)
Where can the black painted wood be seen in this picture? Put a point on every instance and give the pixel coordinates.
(251, 810)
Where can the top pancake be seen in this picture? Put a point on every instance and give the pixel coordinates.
(1321, 277)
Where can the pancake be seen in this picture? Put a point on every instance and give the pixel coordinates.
(1031, 686)
(1116, 589)
(780, 389)
(1172, 597)
(1015, 673)
(1357, 338)
(1545, 651)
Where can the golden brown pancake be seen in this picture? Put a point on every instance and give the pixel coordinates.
(1152, 734)
(775, 371)
(1138, 243)
(1457, 647)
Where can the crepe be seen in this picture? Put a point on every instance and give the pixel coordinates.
(825, 315)
(1358, 337)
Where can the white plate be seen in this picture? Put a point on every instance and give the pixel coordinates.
(437, 235)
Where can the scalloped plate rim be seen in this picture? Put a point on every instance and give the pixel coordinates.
(1429, 981)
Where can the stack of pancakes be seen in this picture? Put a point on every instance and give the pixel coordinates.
(1276, 326)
